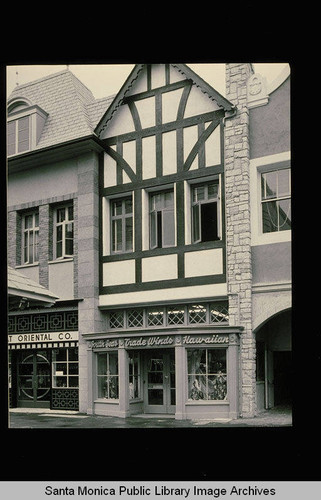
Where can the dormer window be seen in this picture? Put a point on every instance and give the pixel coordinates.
(25, 124)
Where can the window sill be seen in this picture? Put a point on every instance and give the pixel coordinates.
(21, 266)
(59, 261)
(106, 401)
(208, 402)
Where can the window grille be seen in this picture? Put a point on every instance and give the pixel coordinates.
(155, 317)
(197, 314)
(219, 312)
(116, 319)
(135, 318)
(176, 315)
(50, 322)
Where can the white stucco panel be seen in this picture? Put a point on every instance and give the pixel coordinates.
(204, 262)
(119, 273)
(159, 268)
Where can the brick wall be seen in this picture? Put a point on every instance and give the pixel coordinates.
(238, 229)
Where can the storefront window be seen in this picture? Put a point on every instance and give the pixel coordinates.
(206, 374)
(134, 375)
(107, 375)
(65, 367)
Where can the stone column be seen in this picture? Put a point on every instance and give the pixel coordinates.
(180, 380)
(238, 229)
(90, 318)
(123, 378)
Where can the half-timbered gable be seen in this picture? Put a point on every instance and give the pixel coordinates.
(162, 188)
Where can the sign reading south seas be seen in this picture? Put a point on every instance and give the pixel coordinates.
(23, 338)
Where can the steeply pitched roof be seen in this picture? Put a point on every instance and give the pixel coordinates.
(73, 111)
(182, 68)
(20, 285)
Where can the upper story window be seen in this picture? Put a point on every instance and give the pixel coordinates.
(24, 127)
(276, 200)
(64, 232)
(161, 219)
(205, 212)
(30, 229)
(121, 214)
(18, 135)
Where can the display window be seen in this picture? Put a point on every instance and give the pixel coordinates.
(65, 367)
(134, 375)
(207, 378)
(107, 375)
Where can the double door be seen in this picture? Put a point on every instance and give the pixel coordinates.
(34, 381)
(159, 381)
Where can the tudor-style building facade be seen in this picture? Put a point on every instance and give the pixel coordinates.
(168, 272)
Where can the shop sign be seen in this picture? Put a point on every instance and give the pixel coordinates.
(202, 339)
(148, 341)
(104, 343)
(24, 338)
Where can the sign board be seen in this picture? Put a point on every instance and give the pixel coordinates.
(26, 338)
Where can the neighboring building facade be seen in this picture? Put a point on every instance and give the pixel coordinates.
(144, 213)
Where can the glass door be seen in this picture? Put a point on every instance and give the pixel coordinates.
(159, 381)
(34, 380)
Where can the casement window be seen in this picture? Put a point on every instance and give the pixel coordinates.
(205, 212)
(121, 213)
(64, 232)
(207, 378)
(107, 375)
(276, 200)
(18, 135)
(161, 219)
(30, 230)
(65, 367)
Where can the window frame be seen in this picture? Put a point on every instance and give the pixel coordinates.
(63, 224)
(16, 142)
(275, 199)
(107, 376)
(122, 217)
(153, 213)
(67, 362)
(35, 231)
(207, 374)
(206, 201)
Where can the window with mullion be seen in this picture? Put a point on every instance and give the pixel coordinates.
(122, 225)
(276, 200)
(18, 135)
(64, 232)
(161, 217)
(30, 238)
(205, 212)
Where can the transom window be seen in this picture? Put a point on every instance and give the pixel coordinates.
(30, 238)
(122, 225)
(64, 231)
(18, 135)
(161, 217)
(207, 378)
(205, 206)
(171, 315)
(276, 200)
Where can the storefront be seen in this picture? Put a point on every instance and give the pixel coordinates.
(186, 374)
(43, 366)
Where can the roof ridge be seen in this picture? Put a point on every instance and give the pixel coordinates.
(80, 99)
(38, 80)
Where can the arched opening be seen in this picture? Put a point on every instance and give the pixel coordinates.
(274, 362)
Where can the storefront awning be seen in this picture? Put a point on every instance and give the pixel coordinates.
(23, 290)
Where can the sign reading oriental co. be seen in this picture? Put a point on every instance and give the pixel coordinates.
(26, 338)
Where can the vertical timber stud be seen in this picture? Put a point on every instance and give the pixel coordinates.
(238, 229)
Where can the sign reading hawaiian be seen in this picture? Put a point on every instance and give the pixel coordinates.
(202, 339)
(24, 338)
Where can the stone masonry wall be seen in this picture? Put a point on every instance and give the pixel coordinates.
(238, 232)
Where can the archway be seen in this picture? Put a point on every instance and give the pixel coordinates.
(274, 362)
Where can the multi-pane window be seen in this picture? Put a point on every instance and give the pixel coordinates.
(276, 200)
(18, 136)
(64, 232)
(206, 374)
(30, 237)
(134, 375)
(107, 375)
(205, 212)
(161, 219)
(65, 367)
(121, 225)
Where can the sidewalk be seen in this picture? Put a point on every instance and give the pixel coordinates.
(24, 418)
